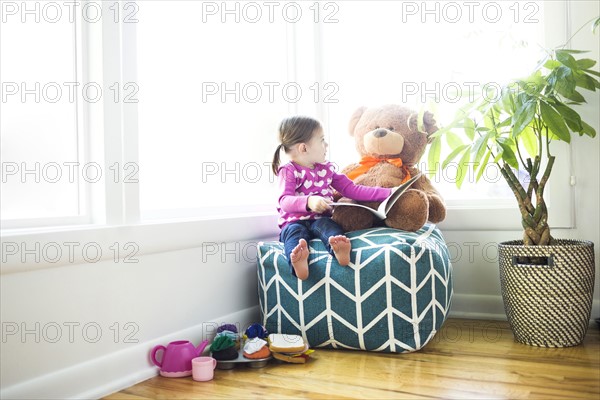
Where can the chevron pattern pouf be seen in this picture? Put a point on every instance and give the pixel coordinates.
(393, 297)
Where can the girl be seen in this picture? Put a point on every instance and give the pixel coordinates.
(306, 185)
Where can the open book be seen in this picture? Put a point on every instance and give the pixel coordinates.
(386, 204)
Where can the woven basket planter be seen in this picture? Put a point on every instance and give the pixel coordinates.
(548, 305)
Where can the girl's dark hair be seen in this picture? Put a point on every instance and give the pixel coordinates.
(293, 130)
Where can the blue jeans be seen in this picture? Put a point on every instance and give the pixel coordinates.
(322, 228)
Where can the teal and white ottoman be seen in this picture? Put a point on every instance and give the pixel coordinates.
(393, 297)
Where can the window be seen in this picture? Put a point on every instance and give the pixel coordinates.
(210, 83)
(433, 53)
(212, 92)
(43, 170)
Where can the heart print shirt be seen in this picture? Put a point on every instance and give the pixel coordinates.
(297, 183)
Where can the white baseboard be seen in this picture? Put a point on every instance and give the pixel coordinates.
(474, 306)
(105, 375)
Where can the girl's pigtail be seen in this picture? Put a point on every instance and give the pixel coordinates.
(276, 160)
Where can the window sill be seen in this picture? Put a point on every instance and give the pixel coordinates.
(39, 248)
(32, 249)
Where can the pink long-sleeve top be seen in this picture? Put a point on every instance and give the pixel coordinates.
(297, 183)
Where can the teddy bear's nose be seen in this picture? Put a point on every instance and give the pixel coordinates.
(380, 133)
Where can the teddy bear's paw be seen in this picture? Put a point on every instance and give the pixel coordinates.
(437, 209)
(410, 212)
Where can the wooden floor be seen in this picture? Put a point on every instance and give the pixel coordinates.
(467, 359)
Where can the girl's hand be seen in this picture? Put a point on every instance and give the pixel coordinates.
(318, 204)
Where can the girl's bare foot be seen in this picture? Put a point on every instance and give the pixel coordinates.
(299, 257)
(341, 249)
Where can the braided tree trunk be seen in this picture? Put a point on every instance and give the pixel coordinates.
(534, 217)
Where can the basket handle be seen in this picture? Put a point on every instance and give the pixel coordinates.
(533, 261)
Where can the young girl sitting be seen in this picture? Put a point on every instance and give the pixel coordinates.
(306, 186)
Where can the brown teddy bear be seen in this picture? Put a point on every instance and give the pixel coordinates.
(391, 145)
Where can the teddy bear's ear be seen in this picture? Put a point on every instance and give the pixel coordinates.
(430, 125)
(355, 118)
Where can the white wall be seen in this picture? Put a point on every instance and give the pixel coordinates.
(85, 329)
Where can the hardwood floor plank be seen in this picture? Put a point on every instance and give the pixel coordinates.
(468, 359)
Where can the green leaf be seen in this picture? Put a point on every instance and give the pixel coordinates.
(507, 121)
(433, 157)
(480, 146)
(463, 168)
(585, 81)
(574, 51)
(574, 127)
(571, 117)
(482, 166)
(488, 121)
(563, 81)
(555, 122)
(567, 59)
(534, 83)
(508, 101)
(453, 139)
(588, 130)
(552, 64)
(469, 128)
(440, 132)
(524, 114)
(576, 97)
(453, 155)
(591, 71)
(596, 81)
(530, 141)
(533, 89)
(586, 63)
(508, 155)
(596, 25)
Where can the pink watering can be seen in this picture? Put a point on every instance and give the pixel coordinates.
(176, 361)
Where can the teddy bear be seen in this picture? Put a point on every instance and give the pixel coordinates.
(391, 145)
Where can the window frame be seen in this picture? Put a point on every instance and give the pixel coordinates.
(82, 138)
(110, 135)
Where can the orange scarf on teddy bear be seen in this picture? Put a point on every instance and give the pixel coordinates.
(368, 162)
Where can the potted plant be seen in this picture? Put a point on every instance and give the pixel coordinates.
(547, 283)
